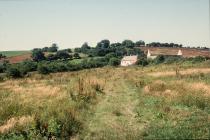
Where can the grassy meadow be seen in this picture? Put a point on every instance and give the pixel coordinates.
(125, 103)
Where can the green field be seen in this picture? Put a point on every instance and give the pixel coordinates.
(13, 53)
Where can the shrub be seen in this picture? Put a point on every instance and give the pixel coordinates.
(160, 59)
(2, 68)
(142, 62)
(198, 59)
(114, 61)
(57, 67)
(13, 72)
(76, 55)
(110, 55)
(27, 66)
(43, 69)
(172, 59)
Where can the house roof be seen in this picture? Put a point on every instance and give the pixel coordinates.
(186, 52)
(163, 52)
(130, 58)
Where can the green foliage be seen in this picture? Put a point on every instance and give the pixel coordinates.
(110, 55)
(172, 59)
(37, 55)
(63, 55)
(142, 62)
(27, 66)
(139, 43)
(159, 59)
(193, 127)
(13, 72)
(43, 69)
(76, 56)
(198, 59)
(54, 127)
(2, 68)
(2, 56)
(128, 44)
(103, 44)
(53, 48)
(114, 61)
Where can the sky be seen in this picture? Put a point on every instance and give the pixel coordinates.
(28, 24)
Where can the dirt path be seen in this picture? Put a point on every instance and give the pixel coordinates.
(114, 116)
(183, 72)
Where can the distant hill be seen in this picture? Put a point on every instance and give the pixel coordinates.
(187, 52)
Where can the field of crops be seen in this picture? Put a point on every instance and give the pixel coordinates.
(13, 53)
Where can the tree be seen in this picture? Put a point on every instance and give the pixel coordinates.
(78, 50)
(2, 69)
(53, 48)
(51, 57)
(76, 55)
(139, 43)
(63, 55)
(2, 56)
(45, 49)
(128, 44)
(110, 55)
(37, 55)
(114, 61)
(69, 50)
(85, 46)
(103, 44)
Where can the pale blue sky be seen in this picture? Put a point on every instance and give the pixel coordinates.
(26, 24)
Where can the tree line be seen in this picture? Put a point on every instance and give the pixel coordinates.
(50, 59)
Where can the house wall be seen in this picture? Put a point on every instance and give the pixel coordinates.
(151, 57)
(127, 63)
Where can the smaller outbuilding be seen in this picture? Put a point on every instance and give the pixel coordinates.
(129, 60)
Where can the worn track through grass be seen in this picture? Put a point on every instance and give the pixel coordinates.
(114, 116)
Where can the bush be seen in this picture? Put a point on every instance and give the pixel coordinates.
(57, 67)
(110, 55)
(114, 61)
(2, 68)
(172, 59)
(160, 59)
(13, 72)
(43, 69)
(142, 62)
(27, 66)
(76, 55)
(198, 59)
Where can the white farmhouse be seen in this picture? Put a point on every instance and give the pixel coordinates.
(129, 60)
